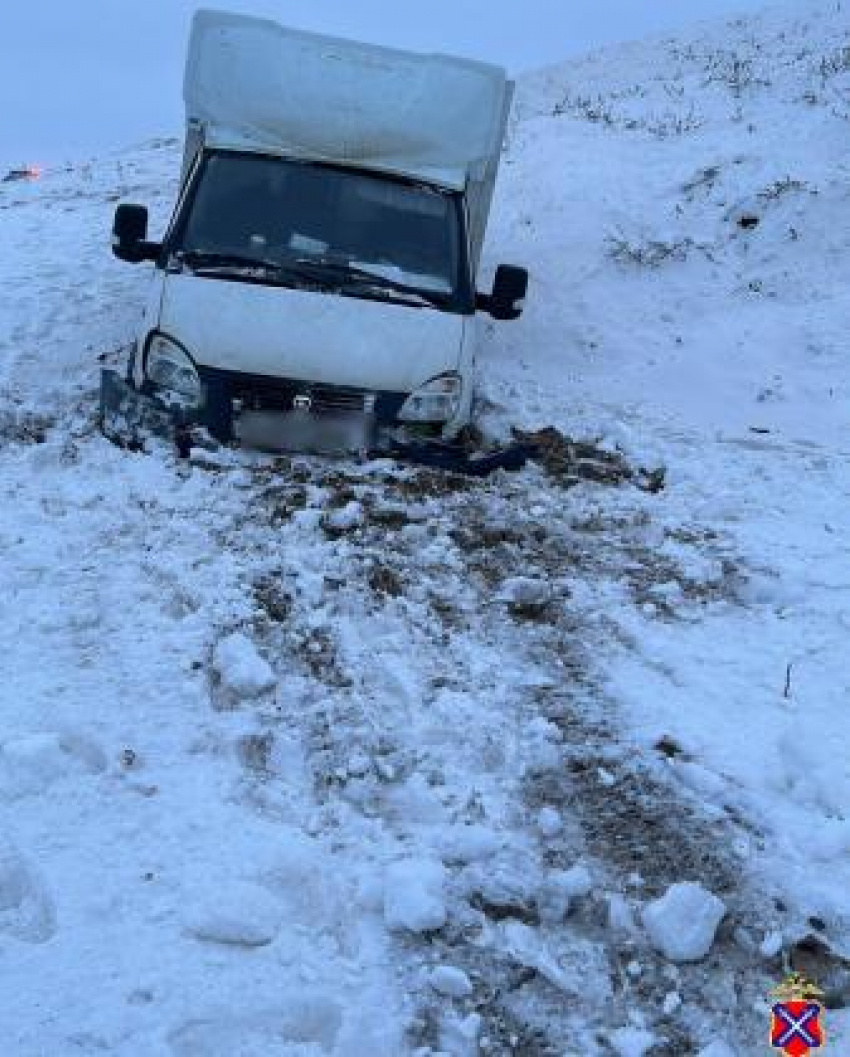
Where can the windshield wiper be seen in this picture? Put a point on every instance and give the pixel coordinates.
(325, 274)
(351, 276)
(207, 258)
(202, 262)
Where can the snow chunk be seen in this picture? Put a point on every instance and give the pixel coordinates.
(506, 884)
(582, 968)
(560, 888)
(344, 519)
(631, 1042)
(577, 882)
(468, 843)
(459, 1035)
(242, 916)
(553, 899)
(524, 591)
(683, 922)
(451, 982)
(549, 822)
(544, 728)
(241, 668)
(620, 917)
(772, 944)
(416, 801)
(414, 896)
(672, 1002)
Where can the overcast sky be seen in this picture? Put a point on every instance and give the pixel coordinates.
(78, 76)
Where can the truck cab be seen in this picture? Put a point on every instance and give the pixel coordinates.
(316, 286)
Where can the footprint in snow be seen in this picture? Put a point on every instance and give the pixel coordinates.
(30, 763)
(26, 909)
(304, 1027)
(237, 915)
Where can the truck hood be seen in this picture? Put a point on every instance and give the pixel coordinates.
(317, 337)
(255, 85)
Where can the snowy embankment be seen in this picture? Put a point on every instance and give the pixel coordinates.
(305, 758)
(691, 201)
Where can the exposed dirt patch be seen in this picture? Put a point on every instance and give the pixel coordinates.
(316, 649)
(255, 751)
(478, 535)
(390, 518)
(570, 461)
(661, 583)
(273, 600)
(642, 827)
(340, 494)
(543, 612)
(385, 581)
(433, 484)
(447, 611)
(285, 502)
(24, 427)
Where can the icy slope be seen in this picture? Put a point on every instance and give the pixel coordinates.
(303, 758)
(684, 207)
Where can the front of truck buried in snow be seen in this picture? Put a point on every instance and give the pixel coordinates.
(130, 416)
(306, 307)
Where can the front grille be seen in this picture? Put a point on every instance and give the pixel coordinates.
(227, 392)
(281, 395)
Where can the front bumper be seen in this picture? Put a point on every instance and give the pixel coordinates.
(268, 413)
(128, 416)
(274, 415)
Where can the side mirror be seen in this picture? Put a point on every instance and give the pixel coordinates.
(130, 235)
(509, 290)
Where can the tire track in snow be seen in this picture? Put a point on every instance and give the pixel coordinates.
(438, 710)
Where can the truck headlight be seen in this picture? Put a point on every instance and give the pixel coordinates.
(438, 400)
(170, 368)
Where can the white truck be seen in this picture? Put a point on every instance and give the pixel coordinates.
(316, 286)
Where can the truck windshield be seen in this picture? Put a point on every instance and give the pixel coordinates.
(289, 213)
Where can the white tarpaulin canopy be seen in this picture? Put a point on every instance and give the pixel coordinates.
(252, 83)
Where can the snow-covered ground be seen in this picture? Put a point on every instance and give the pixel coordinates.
(301, 758)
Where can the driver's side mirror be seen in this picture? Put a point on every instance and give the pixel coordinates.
(509, 290)
(130, 235)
